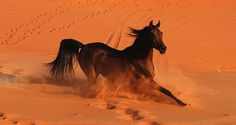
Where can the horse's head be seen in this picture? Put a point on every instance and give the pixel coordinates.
(156, 36)
(150, 36)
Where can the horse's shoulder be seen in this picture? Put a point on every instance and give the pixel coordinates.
(145, 67)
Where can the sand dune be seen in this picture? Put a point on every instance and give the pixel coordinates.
(189, 24)
(199, 66)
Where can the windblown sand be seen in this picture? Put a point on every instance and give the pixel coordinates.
(199, 66)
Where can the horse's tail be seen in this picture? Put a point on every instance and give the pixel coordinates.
(62, 66)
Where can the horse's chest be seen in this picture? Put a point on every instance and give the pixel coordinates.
(144, 68)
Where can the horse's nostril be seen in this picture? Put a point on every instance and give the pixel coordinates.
(162, 49)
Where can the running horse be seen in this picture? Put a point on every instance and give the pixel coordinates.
(133, 64)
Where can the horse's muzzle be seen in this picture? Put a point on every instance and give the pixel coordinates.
(162, 49)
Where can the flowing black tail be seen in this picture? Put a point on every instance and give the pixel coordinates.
(62, 66)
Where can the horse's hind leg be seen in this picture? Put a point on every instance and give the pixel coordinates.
(92, 76)
(166, 92)
(91, 73)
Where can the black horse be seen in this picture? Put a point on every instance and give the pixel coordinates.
(132, 65)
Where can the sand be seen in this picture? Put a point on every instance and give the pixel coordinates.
(199, 66)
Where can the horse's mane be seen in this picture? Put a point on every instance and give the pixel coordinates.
(139, 33)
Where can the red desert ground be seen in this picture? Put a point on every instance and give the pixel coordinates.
(199, 66)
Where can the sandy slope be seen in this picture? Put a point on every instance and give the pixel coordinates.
(199, 66)
(52, 104)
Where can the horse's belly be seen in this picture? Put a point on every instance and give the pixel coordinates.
(114, 69)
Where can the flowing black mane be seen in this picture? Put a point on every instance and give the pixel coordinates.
(141, 46)
(139, 33)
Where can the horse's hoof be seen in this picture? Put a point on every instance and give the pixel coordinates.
(182, 104)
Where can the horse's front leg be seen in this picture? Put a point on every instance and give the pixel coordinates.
(166, 92)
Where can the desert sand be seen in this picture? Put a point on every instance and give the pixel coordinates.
(199, 66)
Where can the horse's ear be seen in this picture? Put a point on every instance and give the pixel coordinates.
(158, 24)
(151, 23)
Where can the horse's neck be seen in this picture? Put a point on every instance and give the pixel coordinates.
(150, 55)
(140, 51)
